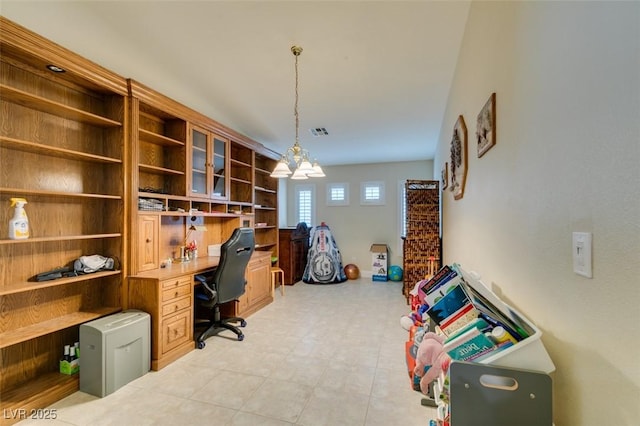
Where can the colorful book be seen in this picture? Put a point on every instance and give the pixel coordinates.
(472, 330)
(429, 289)
(441, 290)
(470, 345)
(499, 347)
(478, 323)
(460, 319)
(516, 329)
(448, 305)
(438, 276)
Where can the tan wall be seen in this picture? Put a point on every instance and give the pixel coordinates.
(567, 159)
(356, 227)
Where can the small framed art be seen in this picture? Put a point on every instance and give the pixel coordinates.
(444, 177)
(458, 158)
(486, 126)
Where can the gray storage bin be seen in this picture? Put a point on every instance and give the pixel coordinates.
(114, 350)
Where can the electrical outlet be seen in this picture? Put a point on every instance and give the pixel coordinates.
(582, 254)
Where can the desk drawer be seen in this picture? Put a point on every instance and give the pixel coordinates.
(176, 330)
(176, 282)
(175, 306)
(175, 293)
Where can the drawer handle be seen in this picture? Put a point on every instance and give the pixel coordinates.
(175, 308)
(148, 240)
(176, 295)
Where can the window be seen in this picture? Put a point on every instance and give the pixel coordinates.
(402, 213)
(402, 208)
(305, 204)
(338, 194)
(372, 193)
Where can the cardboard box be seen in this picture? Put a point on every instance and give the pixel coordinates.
(379, 262)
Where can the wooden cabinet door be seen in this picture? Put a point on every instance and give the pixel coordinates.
(176, 330)
(148, 244)
(258, 280)
(299, 259)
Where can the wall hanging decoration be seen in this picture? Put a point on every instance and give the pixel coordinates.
(444, 177)
(486, 126)
(458, 158)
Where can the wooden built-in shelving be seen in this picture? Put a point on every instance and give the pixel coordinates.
(38, 393)
(32, 331)
(28, 100)
(265, 198)
(62, 146)
(34, 240)
(20, 287)
(94, 145)
(146, 135)
(159, 170)
(64, 194)
(38, 148)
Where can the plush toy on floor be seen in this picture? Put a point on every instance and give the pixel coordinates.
(431, 360)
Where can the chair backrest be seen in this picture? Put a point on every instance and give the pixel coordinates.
(235, 253)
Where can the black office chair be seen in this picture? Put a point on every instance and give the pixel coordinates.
(225, 284)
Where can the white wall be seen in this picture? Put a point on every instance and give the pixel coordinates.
(567, 159)
(356, 227)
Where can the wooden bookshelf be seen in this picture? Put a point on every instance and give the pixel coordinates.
(68, 131)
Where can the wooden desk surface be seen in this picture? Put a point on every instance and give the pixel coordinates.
(195, 266)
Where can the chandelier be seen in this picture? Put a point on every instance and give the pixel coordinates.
(297, 156)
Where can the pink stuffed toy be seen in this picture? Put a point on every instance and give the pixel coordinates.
(430, 354)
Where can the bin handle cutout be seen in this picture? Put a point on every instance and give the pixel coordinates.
(499, 382)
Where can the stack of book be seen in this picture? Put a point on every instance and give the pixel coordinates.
(474, 320)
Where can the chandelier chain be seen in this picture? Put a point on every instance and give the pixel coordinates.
(295, 108)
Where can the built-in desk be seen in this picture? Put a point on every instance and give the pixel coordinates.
(167, 295)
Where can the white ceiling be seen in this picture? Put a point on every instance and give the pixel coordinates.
(375, 74)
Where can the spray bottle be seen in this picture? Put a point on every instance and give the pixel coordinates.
(19, 225)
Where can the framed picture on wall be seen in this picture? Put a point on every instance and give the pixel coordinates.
(444, 177)
(486, 126)
(458, 158)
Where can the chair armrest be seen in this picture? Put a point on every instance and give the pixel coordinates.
(210, 292)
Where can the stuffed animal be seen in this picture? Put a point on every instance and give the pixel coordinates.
(417, 317)
(431, 360)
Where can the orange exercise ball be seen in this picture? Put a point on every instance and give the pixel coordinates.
(351, 271)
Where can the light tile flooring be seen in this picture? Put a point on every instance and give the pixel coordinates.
(320, 355)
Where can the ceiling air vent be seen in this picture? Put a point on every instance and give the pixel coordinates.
(319, 131)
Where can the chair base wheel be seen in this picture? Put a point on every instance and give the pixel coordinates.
(243, 323)
(200, 345)
(241, 337)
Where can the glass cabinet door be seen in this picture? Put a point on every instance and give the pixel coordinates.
(219, 157)
(199, 169)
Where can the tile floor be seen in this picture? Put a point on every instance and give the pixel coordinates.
(320, 355)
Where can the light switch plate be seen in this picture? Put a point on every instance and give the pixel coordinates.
(582, 254)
